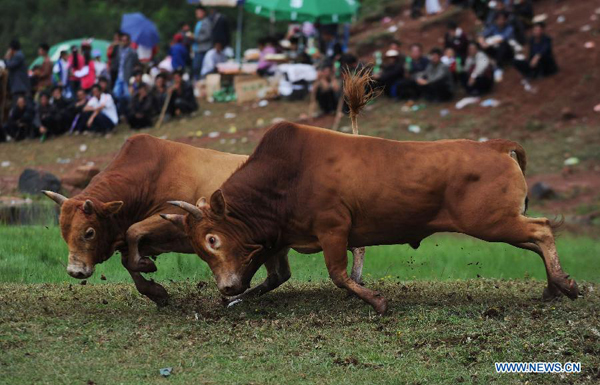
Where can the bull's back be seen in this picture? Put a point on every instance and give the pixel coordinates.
(147, 172)
(394, 187)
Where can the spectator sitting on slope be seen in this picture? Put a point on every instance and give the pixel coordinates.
(212, 58)
(183, 101)
(142, 108)
(496, 40)
(541, 62)
(20, 124)
(100, 112)
(392, 71)
(435, 83)
(478, 75)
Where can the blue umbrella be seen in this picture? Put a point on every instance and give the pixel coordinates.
(142, 30)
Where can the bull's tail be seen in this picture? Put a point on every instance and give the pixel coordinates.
(513, 149)
(358, 91)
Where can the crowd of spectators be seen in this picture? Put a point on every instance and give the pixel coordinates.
(79, 93)
(510, 37)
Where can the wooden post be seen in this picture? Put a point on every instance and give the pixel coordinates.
(163, 111)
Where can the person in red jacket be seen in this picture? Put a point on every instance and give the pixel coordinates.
(87, 74)
(75, 64)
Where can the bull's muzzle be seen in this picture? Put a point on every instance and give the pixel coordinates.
(79, 270)
(231, 285)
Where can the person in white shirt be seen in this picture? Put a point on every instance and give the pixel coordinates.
(102, 114)
(100, 67)
(60, 73)
(214, 56)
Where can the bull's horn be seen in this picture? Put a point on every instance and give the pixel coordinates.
(56, 197)
(190, 208)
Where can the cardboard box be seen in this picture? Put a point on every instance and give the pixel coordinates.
(250, 88)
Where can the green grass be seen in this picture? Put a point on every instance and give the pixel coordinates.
(37, 254)
(437, 333)
(448, 321)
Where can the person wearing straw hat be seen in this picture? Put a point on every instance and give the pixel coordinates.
(392, 71)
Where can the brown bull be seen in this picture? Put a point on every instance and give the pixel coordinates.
(119, 210)
(312, 189)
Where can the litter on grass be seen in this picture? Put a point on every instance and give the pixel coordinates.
(414, 129)
(490, 103)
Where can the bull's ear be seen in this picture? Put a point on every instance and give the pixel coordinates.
(201, 203)
(176, 219)
(56, 197)
(113, 207)
(88, 207)
(217, 203)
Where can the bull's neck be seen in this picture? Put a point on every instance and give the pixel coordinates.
(135, 197)
(260, 202)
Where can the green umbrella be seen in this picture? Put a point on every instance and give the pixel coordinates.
(100, 45)
(323, 11)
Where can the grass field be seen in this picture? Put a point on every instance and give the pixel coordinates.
(435, 333)
(37, 254)
(438, 330)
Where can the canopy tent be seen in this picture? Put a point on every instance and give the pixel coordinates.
(54, 53)
(323, 11)
(231, 4)
(141, 29)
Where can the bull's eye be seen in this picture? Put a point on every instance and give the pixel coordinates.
(213, 241)
(90, 233)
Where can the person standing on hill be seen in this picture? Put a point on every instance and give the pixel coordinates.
(75, 64)
(18, 79)
(45, 73)
(220, 28)
(127, 61)
(61, 73)
(202, 40)
(87, 73)
(113, 57)
(179, 54)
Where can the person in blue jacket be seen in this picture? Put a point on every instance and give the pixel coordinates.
(179, 53)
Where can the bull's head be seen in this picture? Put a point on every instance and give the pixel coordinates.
(89, 231)
(222, 240)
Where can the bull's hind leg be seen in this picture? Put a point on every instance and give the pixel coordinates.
(335, 250)
(540, 232)
(533, 234)
(358, 260)
(551, 291)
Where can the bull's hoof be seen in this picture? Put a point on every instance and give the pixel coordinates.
(158, 295)
(379, 303)
(160, 301)
(551, 293)
(569, 288)
(144, 265)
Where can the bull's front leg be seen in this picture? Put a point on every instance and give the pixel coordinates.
(150, 289)
(158, 235)
(334, 243)
(278, 272)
